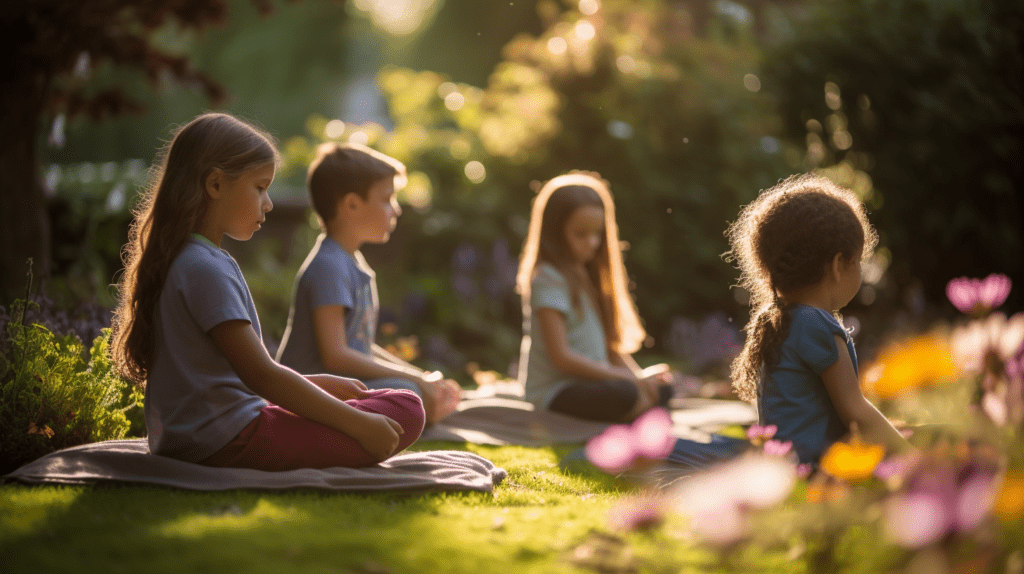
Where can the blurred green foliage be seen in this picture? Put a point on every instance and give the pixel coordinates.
(926, 96)
(671, 116)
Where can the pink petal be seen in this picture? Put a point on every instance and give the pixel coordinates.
(963, 293)
(613, 450)
(777, 447)
(994, 289)
(916, 520)
(653, 434)
(974, 502)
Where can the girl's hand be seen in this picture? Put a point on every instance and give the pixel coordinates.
(378, 435)
(342, 388)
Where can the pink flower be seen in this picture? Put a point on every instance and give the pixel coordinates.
(718, 500)
(994, 337)
(622, 447)
(777, 447)
(637, 514)
(758, 434)
(978, 296)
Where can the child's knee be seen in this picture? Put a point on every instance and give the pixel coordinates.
(410, 408)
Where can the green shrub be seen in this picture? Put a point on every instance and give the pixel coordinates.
(54, 395)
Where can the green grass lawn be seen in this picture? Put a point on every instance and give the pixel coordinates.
(539, 519)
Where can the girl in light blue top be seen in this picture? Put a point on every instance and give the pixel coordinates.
(799, 247)
(580, 325)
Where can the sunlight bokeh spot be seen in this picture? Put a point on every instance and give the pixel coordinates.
(397, 17)
(87, 173)
(334, 129)
(584, 30)
(832, 96)
(417, 191)
(446, 88)
(454, 101)
(842, 140)
(626, 64)
(752, 82)
(908, 365)
(359, 137)
(460, 149)
(589, 7)
(557, 45)
(852, 461)
(475, 171)
(620, 129)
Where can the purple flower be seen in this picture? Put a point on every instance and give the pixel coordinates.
(622, 447)
(978, 296)
(940, 497)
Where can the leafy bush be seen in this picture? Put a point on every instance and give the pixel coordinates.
(54, 394)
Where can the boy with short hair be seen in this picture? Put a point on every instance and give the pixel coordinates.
(333, 316)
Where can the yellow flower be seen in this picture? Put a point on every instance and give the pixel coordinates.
(1009, 503)
(45, 431)
(908, 365)
(852, 461)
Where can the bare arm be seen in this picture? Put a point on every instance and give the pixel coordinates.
(338, 357)
(244, 350)
(556, 341)
(842, 386)
(439, 396)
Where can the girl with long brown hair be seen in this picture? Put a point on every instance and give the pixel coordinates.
(580, 324)
(186, 325)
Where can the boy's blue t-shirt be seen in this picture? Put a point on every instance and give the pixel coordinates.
(792, 395)
(195, 403)
(329, 276)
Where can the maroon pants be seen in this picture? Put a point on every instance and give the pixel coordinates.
(280, 440)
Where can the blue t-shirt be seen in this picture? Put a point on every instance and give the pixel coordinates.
(792, 395)
(542, 381)
(195, 403)
(329, 276)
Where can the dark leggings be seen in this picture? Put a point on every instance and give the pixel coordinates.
(606, 401)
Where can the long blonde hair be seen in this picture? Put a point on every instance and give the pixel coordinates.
(172, 207)
(546, 242)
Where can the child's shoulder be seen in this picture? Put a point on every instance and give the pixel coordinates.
(196, 257)
(547, 274)
(807, 320)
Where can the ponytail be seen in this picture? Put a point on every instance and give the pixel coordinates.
(766, 330)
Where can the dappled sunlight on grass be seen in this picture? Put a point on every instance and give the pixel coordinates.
(22, 511)
(231, 518)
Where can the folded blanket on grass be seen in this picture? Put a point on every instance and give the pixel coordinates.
(130, 461)
(504, 421)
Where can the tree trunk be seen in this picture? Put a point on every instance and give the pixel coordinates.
(24, 221)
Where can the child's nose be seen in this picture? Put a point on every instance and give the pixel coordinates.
(397, 209)
(268, 204)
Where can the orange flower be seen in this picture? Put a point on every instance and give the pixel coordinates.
(852, 461)
(1009, 503)
(905, 366)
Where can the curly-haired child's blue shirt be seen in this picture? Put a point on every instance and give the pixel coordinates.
(792, 395)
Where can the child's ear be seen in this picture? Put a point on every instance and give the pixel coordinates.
(838, 264)
(214, 183)
(350, 202)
